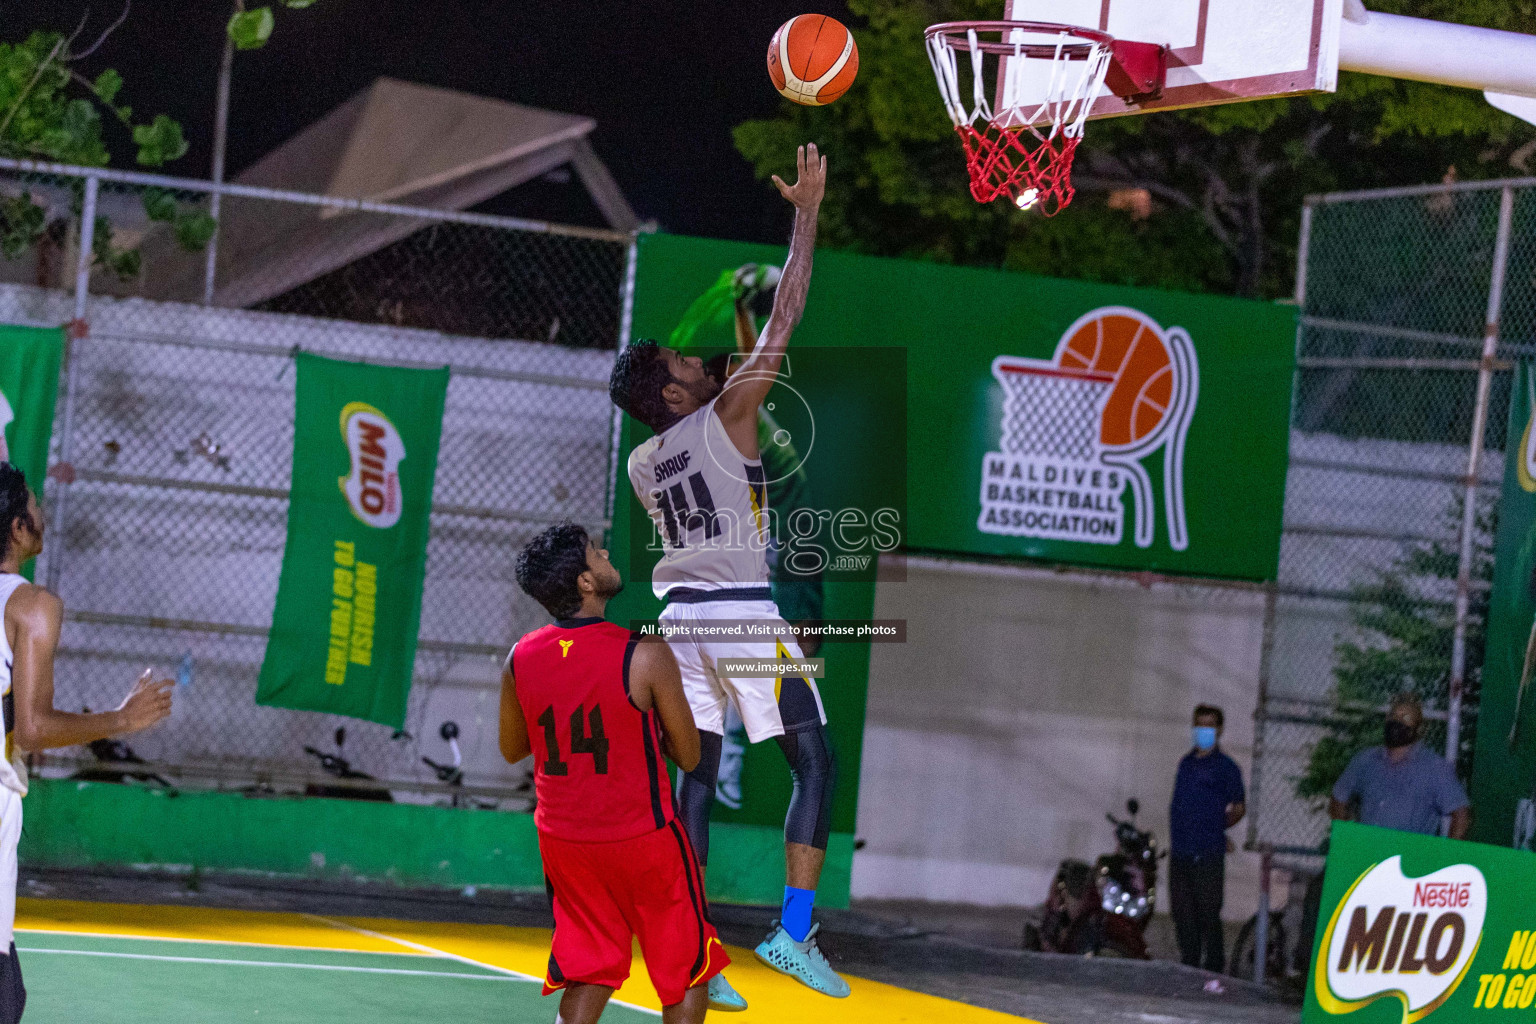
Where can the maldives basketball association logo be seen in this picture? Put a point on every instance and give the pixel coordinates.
(1077, 430)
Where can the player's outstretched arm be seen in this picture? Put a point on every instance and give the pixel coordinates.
(737, 405)
(655, 682)
(514, 728)
(34, 616)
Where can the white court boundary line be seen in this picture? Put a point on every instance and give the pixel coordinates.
(223, 962)
(212, 942)
(434, 951)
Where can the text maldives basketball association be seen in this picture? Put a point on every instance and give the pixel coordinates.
(1079, 431)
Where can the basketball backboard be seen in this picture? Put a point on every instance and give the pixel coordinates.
(1220, 51)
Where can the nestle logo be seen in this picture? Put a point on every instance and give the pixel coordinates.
(1411, 939)
(373, 486)
(1442, 894)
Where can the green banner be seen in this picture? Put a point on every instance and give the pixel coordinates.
(1064, 421)
(941, 396)
(1504, 766)
(1417, 927)
(29, 385)
(343, 636)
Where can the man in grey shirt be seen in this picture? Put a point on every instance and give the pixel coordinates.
(1400, 784)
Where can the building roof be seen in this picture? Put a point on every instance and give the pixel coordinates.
(394, 142)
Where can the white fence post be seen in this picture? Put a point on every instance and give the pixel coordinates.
(77, 331)
(1474, 459)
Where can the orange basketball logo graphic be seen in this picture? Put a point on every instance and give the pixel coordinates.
(1077, 428)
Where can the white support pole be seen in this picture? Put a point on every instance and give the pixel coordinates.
(220, 143)
(626, 327)
(1440, 52)
(77, 331)
(87, 247)
(1474, 459)
(1261, 921)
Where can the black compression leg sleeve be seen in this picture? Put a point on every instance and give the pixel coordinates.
(13, 994)
(813, 771)
(696, 794)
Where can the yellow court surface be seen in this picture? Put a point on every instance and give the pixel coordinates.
(96, 961)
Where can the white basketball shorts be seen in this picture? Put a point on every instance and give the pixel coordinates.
(10, 838)
(770, 705)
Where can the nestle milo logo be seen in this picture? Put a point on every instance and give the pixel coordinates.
(372, 488)
(1412, 939)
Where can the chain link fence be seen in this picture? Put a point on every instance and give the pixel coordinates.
(167, 506)
(1413, 302)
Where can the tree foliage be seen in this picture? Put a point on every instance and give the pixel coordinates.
(50, 111)
(1226, 182)
(53, 112)
(1403, 627)
(250, 29)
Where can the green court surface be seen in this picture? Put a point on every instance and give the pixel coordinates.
(140, 963)
(83, 979)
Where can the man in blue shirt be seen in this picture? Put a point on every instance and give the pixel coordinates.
(1208, 799)
(1400, 784)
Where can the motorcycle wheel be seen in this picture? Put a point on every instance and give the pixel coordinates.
(1085, 937)
(1240, 965)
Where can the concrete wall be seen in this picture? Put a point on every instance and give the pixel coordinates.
(1025, 704)
(101, 825)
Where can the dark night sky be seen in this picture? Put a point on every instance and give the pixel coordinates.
(665, 82)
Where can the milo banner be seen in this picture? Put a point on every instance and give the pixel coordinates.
(1504, 768)
(343, 636)
(29, 384)
(1421, 928)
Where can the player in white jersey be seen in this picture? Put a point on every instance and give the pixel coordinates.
(33, 617)
(701, 481)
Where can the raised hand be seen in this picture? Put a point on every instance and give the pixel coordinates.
(807, 191)
(148, 703)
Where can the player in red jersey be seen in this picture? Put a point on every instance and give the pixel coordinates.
(597, 706)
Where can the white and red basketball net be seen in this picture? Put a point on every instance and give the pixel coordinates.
(1022, 150)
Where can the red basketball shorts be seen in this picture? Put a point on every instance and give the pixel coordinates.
(648, 888)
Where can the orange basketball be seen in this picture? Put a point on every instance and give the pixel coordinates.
(812, 59)
(1130, 346)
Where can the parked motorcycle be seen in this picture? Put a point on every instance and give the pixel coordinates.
(339, 767)
(115, 761)
(1105, 906)
(1291, 926)
(453, 772)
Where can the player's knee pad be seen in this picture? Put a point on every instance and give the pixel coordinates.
(813, 770)
(696, 793)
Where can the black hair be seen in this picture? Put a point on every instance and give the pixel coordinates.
(548, 567)
(639, 374)
(13, 503)
(1212, 710)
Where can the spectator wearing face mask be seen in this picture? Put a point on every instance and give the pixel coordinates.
(1400, 784)
(1208, 799)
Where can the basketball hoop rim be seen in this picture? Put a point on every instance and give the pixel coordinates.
(956, 35)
